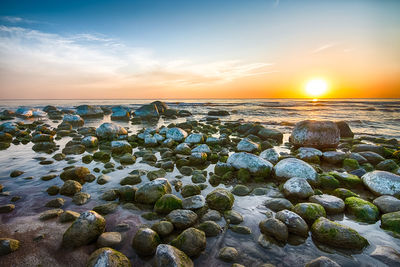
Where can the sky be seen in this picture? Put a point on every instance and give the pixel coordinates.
(120, 49)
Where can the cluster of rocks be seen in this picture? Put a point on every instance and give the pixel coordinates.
(322, 176)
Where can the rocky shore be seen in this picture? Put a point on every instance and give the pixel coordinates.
(170, 195)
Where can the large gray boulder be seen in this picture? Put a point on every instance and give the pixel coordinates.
(88, 111)
(382, 183)
(246, 145)
(74, 120)
(297, 187)
(110, 130)
(291, 167)
(150, 192)
(252, 163)
(84, 230)
(317, 134)
(270, 155)
(169, 256)
(293, 221)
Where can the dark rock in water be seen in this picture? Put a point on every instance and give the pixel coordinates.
(218, 113)
(228, 254)
(317, 134)
(382, 183)
(322, 262)
(84, 230)
(88, 111)
(77, 174)
(368, 147)
(120, 114)
(278, 204)
(16, 173)
(69, 216)
(391, 221)
(7, 208)
(387, 255)
(190, 190)
(152, 110)
(273, 134)
(293, 221)
(344, 128)
(372, 157)
(388, 165)
(8, 245)
(70, 188)
(274, 228)
(108, 257)
(50, 214)
(169, 256)
(182, 219)
(337, 235)
(167, 203)
(210, 228)
(359, 172)
(191, 241)
(74, 149)
(220, 199)
(145, 242)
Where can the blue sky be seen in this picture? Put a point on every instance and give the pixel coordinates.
(192, 45)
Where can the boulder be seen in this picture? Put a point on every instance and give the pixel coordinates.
(336, 235)
(121, 147)
(295, 224)
(90, 141)
(331, 204)
(109, 239)
(195, 138)
(309, 211)
(110, 130)
(170, 256)
(317, 134)
(382, 183)
(191, 241)
(391, 221)
(84, 230)
(246, 145)
(344, 129)
(270, 155)
(167, 203)
(387, 255)
(108, 257)
(194, 202)
(151, 191)
(309, 154)
(291, 167)
(210, 228)
(89, 111)
(147, 111)
(334, 157)
(322, 262)
(74, 120)
(182, 219)
(273, 134)
(363, 210)
(220, 199)
(255, 164)
(275, 228)
(120, 114)
(145, 241)
(176, 134)
(163, 228)
(387, 204)
(297, 188)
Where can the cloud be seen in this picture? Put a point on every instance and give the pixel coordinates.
(97, 61)
(325, 47)
(15, 20)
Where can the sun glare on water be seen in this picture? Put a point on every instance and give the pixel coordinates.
(316, 88)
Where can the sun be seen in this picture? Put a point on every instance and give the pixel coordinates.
(316, 87)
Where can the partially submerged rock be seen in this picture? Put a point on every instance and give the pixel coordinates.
(191, 241)
(291, 167)
(108, 257)
(145, 241)
(317, 134)
(170, 256)
(382, 183)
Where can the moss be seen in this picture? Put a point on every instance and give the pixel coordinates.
(346, 179)
(87, 159)
(213, 158)
(220, 199)
(243, 175)
(309, 211)
(350, 164)
(391, 221)
(327, 181)
(344, 193)
(367, 167)
(102, 156)
(363, 210)
(167, 203)
(227, 176)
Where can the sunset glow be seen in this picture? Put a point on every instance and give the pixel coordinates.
(316, 87)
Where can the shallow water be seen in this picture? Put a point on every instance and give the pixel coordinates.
(366, 117)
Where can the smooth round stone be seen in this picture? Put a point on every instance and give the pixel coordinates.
(68, 216)
(109, 239)
(194, 202)
(145, 242)
(176, 134)
(163, 228)
(387, 255)
(387, 204)
(170, 256)
(252, 163)
(234, 217)
(8, 245)
(322, 262)
(309, 154)
(55, 203)
(81, 198)
(240, 190)
(108, 257)
(246, 145)
(182, 219)
(293, 221)
(291, 167)
(103, 179)
(212, 215)
(331, 204)
(274, 228)
(191, 241)
(309, 211)
(382, 183)
(333, 157)
(297, 188)
(228, 254)
(372, 157)
(210, 228)
(317, 134)
(277, 204)
(270, 155)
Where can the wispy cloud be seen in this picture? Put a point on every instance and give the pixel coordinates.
(325, 47)
(15, 20)
(95, 60)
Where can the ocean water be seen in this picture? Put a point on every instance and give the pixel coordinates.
(374, 117)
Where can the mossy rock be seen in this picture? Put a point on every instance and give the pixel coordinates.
(337, 235)
(387, 165)
(102, 156)
(344, 193)
(350, 164)
(240, 190)
(243, 175)
(309, 211)
(327, 181)
(391, 221)
(347, 179)
(109, 257)
(368, 167)
(156, 174)
(145, 242)
(87, 159)
(190, 190)
(363, 210)
(191, 241)
(220, 199)
(221, 168)
(167, 203)
(8, 245)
